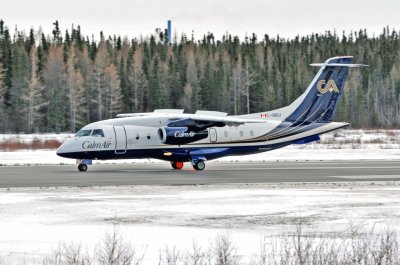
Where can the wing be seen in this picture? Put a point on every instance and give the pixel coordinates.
(201, 122)
(155, 112)
(198, 121)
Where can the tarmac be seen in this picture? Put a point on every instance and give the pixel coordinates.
(215, 173)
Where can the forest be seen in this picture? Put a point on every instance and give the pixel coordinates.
(62, 80)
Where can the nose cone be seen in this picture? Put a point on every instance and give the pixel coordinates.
(61, 150)
(66, 149)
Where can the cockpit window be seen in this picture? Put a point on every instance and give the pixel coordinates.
(98, 133)
(82, 133)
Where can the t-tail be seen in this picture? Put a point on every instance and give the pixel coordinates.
(319, 102)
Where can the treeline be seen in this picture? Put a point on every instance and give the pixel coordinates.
(60, 81)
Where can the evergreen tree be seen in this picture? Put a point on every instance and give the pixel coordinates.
(56, 83)
(54, 91)
(2, 95)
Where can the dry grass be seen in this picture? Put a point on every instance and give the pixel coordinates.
(35, 144)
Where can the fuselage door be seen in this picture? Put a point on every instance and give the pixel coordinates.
(120, 139)
(213, 135)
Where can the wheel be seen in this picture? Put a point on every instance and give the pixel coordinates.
(199, 165)
(82, 167)
(177, 165)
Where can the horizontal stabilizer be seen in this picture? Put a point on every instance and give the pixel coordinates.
(339, 65)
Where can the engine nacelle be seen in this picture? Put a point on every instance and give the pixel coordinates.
(180, 135)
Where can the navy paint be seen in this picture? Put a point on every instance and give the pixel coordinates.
(178, 154)
(317, 108)
(327, 103)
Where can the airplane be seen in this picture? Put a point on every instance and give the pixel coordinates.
(178, 137)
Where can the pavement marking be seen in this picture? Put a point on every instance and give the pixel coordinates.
(368, 177)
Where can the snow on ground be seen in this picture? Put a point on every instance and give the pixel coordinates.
(34, 221)
(46, 157)
(29, 138)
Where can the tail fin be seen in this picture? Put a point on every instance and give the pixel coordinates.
(319, 102)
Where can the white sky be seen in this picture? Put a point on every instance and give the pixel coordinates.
(134, 17)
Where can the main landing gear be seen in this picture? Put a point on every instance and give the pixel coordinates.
(177, 165)
(82, 167)
(197, 165)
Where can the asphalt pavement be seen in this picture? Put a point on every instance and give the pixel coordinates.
(215, 173)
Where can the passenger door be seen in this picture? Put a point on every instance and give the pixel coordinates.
(120, 139)
(213, 135)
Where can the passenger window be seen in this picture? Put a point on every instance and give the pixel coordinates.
(241, 133)
(137, 136)
(251, 133)
(148, 136)
(82, 133)
(98, 133)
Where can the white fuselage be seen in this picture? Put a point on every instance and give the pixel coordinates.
(124, 135)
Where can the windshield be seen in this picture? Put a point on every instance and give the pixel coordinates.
(98, 133)
(82, 133)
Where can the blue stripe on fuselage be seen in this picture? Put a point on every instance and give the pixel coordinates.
(178, 154)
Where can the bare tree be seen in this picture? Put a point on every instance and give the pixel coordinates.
(113, 91)
(249, 79)
(114, 250)
(236, 85)
(33, 96)
(169, 256)
(196, 256)
(102, 60)
(68, 254)
(138, 81)
(75, 92)
(225, 250)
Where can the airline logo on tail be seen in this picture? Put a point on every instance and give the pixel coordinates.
(324, 87)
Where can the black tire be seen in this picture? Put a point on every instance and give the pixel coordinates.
(82, 167)
(177, 165)
(199, 165)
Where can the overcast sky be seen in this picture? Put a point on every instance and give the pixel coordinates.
(134, 17)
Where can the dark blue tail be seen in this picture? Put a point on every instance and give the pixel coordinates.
(320, 101)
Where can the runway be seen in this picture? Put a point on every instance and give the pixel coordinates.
(215, 173)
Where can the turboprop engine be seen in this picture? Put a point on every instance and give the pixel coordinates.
(180, 135)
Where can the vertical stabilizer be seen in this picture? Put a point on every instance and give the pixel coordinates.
(319, 102)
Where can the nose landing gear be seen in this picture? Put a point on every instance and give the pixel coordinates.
(83, 164)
